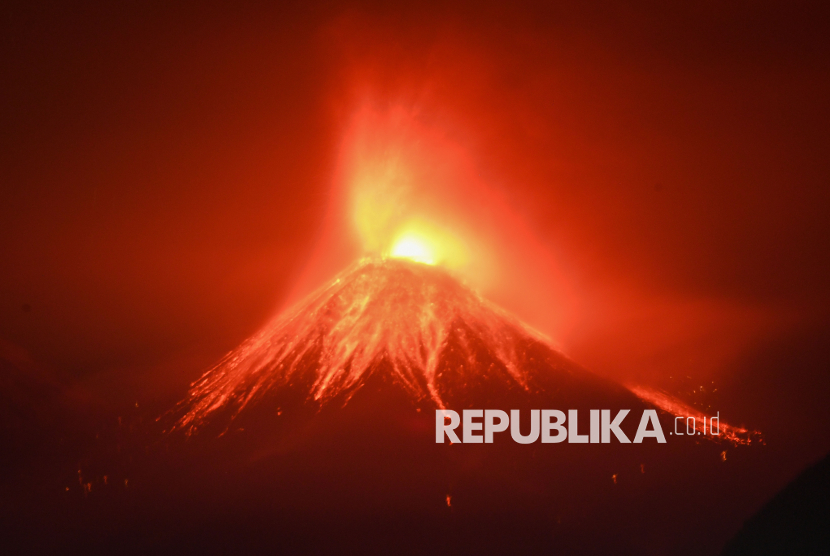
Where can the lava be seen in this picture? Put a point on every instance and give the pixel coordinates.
(380, 309)
(431, 333)
(734, 434)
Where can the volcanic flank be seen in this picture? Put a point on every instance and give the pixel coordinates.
(317, 436)
(325, 420)
(425, 332)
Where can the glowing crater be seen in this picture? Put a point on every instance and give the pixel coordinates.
(414, 248)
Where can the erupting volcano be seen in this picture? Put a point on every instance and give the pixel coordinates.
(416, 326)
(414, 321)
(325, 418)
(331, 406)
(410, 314)
(434, 338)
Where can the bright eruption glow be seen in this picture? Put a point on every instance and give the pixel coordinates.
(426, 332)
(401, 181)
(414, 248)
(426, 243)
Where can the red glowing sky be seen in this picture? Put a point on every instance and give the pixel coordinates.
(647, 187)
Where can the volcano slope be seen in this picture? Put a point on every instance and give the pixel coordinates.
(317, 435)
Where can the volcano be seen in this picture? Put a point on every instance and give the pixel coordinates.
(324, 420)
(317, 436)
(415, 325)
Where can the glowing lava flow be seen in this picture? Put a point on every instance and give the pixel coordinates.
(389, 310)
(735, 435)
(432, 335)
(416, 324)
